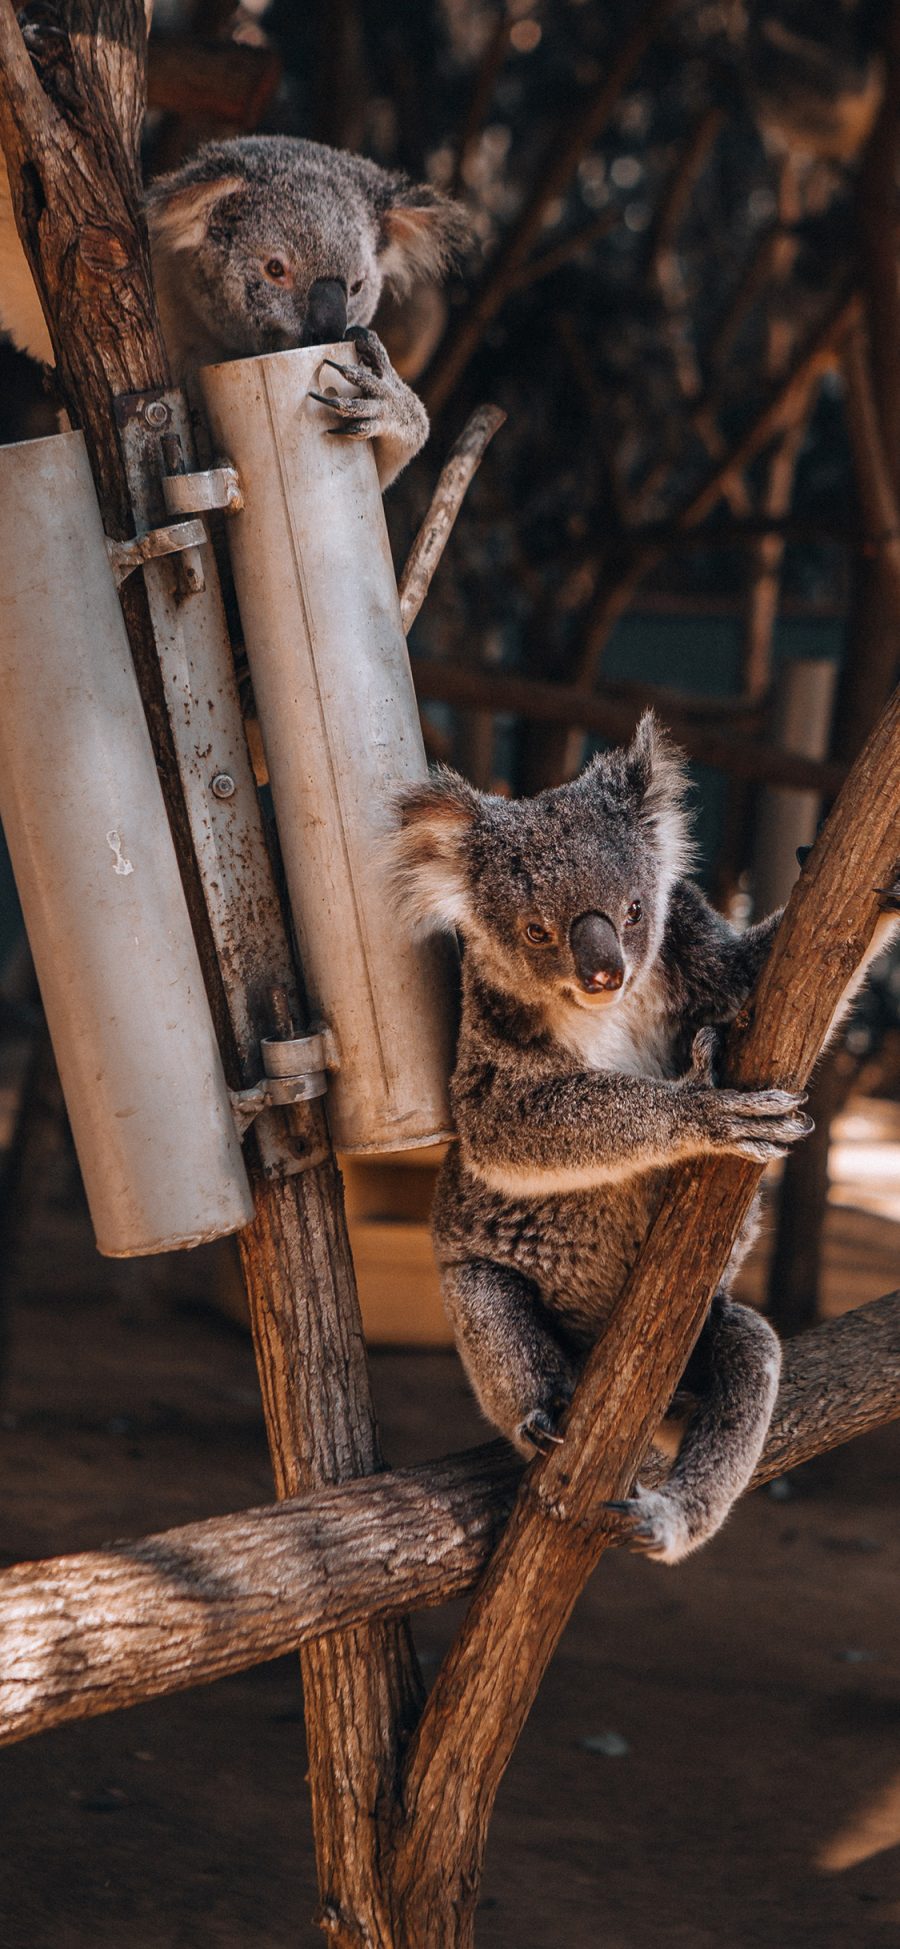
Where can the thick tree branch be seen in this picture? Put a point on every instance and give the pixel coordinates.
(491, 1675)
(86, 1634)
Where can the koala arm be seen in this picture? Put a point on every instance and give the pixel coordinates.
(710, 967)
(381, 408)
(570, 1132)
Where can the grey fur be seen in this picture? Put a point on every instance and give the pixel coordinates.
(237, 206)
(570, 1106)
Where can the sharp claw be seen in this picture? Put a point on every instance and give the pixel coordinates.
(322, 398)
(349, 427)
(621, 1508)
(344, 370)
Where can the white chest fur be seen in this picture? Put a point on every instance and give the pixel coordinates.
(631, 1036)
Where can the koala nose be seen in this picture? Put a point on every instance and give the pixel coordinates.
(598, 959)
(326, 312)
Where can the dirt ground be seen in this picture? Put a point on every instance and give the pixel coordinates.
(714, 1759)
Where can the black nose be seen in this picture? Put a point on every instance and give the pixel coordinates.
(326, 312)
(596, 952)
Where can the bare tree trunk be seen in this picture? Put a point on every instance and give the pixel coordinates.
(71, 140)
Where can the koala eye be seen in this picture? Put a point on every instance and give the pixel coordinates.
(634, 914)
(356, 288)
(276, 269)
(537, 935)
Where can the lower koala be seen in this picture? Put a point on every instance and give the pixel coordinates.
(595, 980)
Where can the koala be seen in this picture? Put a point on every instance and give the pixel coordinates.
(595, 977)
(268, 242)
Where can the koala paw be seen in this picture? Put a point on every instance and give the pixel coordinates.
(655, 1525)
(539, 1429)
(758, 1124)
(381, 406)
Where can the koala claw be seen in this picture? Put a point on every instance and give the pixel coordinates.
(539, 1429)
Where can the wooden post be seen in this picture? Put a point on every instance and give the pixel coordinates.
(71, 141)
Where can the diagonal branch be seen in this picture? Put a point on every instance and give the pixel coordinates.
(488, 1681)
(552, 181)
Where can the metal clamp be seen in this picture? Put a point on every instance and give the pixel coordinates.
(216, 487)
(296, 1071)
(126, 556)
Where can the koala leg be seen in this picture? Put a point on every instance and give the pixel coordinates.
(734, 1372)
(523, 1377)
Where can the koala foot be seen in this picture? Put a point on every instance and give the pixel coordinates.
(655, 1525)
(539, 1428)
(381, 407)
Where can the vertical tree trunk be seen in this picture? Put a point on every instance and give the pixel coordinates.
(71, 139)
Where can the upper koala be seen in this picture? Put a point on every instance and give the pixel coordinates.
(268, 242)
(594, 976)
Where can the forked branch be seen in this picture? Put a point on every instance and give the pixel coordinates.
(554, 1538)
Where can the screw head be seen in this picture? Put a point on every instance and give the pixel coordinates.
(223, 786)
(156, 413)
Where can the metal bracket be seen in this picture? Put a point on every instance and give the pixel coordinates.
(296, 1070)
(126, 556)
(201, 493)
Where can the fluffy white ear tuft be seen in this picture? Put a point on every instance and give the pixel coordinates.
(427, 855)
(178, 218)
(657, 771)
(423, 233)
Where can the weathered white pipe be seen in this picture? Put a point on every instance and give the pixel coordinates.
(321, 619)
(95, 866)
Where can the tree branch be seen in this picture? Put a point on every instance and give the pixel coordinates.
(552, 180)
(461, 464)
(615, 718)
(85, 1634)
(490, 1677)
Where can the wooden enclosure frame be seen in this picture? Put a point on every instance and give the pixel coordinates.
(402, 1787)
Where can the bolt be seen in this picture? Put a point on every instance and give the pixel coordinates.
(223, 786)
(156, 414)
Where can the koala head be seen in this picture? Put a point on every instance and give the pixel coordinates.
(282, 242)
(561, 899)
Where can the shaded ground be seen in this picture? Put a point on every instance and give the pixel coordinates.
(742, 1714)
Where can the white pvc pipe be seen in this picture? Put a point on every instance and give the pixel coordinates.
(331, 677)
(95, 867)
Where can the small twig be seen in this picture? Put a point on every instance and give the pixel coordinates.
(464, 459)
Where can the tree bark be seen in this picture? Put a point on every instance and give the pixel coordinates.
(86, 1634)
(490, 1677)
(71, 140)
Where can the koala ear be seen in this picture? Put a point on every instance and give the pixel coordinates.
(423, 234)
(427, 856)
(178, 214)
(656, 772)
